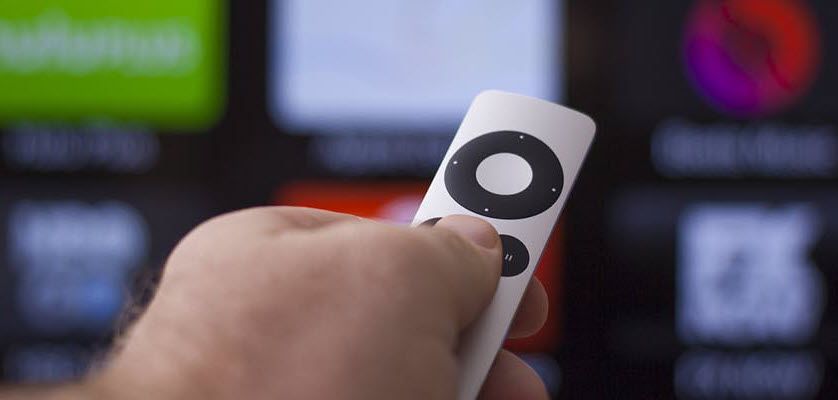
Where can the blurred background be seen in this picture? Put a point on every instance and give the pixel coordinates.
(696, 258)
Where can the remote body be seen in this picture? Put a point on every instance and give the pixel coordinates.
(512, 162)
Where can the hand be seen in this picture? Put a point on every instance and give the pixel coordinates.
(291, 303)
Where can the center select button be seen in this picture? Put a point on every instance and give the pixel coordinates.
(504, 173)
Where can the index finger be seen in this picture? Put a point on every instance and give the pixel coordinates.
(442, 276)
(272, 220)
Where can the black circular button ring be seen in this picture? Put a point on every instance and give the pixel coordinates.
(543, 191)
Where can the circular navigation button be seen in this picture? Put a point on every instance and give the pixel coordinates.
(504, 173)
(515, 256)
(486, 176)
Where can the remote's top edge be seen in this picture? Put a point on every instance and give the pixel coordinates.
(494, 93)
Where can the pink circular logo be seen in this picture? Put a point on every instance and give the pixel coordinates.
(751, 58)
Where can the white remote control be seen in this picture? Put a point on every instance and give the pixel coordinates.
(512, 163)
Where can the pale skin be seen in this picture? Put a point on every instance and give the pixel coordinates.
(294, 303)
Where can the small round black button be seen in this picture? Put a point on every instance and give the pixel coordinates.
(544, 188)
(515, 256)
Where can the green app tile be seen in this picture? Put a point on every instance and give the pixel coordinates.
(158, 62)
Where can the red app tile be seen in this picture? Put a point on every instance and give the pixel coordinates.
(549, 272)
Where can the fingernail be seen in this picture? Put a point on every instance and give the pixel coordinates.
(474, 229)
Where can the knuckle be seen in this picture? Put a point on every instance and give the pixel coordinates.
(391, 259)
(222, 224)
(219, 235)
(225, 220)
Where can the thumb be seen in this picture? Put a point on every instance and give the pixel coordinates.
(479, 277)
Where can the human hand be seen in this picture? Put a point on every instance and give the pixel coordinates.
(296, 303)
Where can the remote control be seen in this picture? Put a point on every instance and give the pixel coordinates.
(512, 162)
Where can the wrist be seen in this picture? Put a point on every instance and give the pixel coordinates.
(73, 391)
(138, 377)
(123, 381)
(158, 364)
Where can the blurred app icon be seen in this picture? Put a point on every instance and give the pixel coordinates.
(745, 276)
(72, 262)
(45, 363)
(752, 58)
(158, 62)
(398, 202)
(399, 66)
